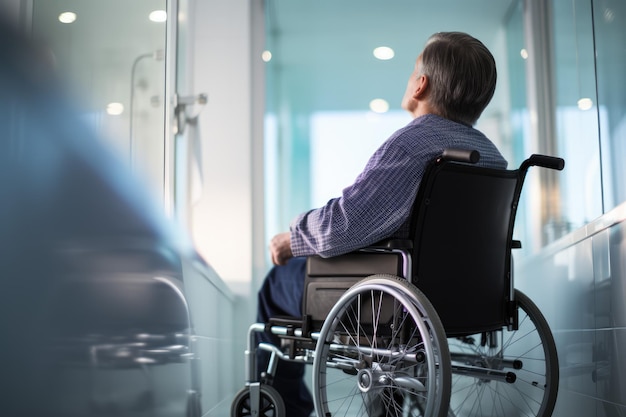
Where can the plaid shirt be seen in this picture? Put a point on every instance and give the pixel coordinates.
(378, 204)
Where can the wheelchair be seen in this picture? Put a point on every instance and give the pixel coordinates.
(427, 326)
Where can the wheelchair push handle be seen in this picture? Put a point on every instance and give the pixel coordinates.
(461, 155)
(546, 162)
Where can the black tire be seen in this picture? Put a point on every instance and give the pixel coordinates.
(382, 349)
(271, 403)
(529, 353)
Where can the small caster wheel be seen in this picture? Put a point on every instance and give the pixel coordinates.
(270, 404)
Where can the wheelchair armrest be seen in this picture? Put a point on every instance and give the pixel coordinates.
(375, 259)
(389, 244)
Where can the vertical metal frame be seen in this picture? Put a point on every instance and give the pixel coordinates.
(257, 45)
(538, 37)
(169, 143)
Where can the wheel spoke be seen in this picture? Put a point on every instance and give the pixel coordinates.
(387, 335)
(533, 393)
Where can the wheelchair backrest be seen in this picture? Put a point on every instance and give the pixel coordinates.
(462, 225)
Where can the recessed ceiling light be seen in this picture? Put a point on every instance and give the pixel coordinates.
(384, 53)
(115, 109)
(67, 17)
(266, 56)
(523, 53)
(585, 103)
(378, 105)
(158, 16)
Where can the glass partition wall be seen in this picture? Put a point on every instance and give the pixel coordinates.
(111, 56)
(560, 92)
(608, 19)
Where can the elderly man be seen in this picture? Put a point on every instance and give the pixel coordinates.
(453, 81)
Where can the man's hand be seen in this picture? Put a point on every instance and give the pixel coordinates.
(280, 248)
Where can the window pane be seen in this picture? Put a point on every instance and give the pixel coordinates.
(610, 33)
(577, 114)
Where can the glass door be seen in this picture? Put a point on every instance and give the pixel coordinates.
(112, 56)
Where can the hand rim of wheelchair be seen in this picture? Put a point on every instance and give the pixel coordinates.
(368, 379)
(545, 393)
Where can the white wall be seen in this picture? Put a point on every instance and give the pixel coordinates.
(226, 221)
(220, 53)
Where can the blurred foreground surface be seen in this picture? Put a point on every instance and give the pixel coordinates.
(93, 316)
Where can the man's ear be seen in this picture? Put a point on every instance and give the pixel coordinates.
(421, 88)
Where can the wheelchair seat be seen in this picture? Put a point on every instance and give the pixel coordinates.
(430, 325)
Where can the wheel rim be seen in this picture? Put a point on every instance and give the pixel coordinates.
(367, 366)
(529, 353)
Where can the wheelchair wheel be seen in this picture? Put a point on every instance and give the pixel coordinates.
(529, 353)
(270, 403)
(382, 351)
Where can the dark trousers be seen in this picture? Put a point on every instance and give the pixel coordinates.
(281, 295)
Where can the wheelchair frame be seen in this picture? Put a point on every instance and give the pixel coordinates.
(405, 361)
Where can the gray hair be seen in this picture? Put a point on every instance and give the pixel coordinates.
(461, 73)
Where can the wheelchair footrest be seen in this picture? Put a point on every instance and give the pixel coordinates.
(285, 321)
(291, 323)
(292, 342)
